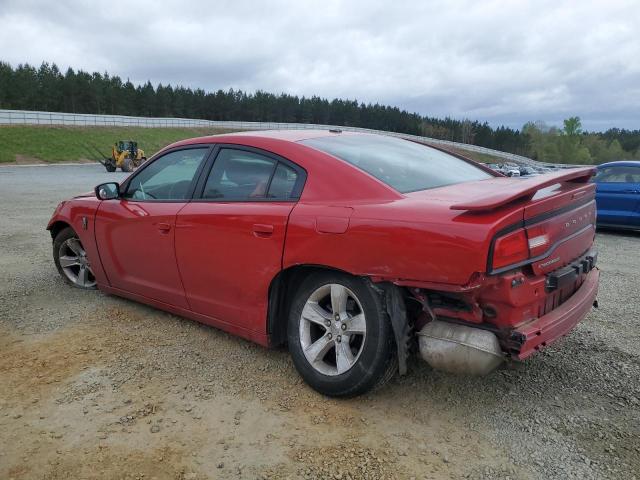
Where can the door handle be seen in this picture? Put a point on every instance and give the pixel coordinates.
(262, 230)
(164, 227)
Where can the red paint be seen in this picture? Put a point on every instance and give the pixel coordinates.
(136, 245)
(225, 264)
(215, 261)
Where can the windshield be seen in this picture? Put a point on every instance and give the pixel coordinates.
(403, 165)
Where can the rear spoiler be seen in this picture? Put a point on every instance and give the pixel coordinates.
(523, 189)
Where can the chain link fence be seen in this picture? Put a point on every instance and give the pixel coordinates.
(25, 117)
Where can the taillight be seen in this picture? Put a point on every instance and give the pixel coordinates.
(538, 240)
(510, 248)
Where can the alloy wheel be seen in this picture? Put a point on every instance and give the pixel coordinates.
(333, 329)
(75, 264)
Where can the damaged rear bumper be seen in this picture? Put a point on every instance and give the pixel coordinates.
(530, 337)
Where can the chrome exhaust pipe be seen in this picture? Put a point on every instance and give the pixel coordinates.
(459, 349)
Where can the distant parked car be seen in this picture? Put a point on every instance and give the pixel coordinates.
(528, 171)
(618, 194)
(510, 171)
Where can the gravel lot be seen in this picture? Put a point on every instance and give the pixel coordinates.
(93, 386)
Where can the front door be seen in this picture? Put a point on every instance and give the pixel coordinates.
(230, 241)
(136, 233)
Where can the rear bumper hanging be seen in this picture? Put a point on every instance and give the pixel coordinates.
(530, 337)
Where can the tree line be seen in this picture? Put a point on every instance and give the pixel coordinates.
(48, 89)
(571, 144)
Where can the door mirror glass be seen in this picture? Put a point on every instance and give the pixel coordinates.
(108, 191)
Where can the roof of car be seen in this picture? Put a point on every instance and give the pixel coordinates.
(293, 135)
(621, 163)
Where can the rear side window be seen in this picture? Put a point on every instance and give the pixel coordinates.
(283, 182)
(621, 174)
(403, 165)
(239, 175)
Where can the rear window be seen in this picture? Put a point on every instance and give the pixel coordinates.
(403, 165)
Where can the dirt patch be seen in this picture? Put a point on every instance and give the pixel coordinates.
(31, 367)
(99, 400)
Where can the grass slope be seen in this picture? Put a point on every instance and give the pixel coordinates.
(30, 144)
(33, 144)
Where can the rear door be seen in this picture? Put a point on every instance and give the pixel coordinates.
(135, 233)
(618, 195)
(230, 240)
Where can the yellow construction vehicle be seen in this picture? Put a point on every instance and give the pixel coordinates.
(125, 155)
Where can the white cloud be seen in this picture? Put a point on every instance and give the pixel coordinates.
(504, 62)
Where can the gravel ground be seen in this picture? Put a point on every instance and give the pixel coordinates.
(93, 386)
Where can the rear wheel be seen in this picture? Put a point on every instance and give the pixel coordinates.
(340, 338)
(71, 260)
(127, 165)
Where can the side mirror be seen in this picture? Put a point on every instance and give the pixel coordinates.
(108, 191)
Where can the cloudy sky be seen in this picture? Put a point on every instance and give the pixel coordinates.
(501, 61)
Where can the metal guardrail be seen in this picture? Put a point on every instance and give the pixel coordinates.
(27, 117)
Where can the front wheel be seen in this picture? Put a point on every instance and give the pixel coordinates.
(110, 166)
(71, 260)
(339, 336)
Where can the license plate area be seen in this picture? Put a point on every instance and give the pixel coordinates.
(566, 276)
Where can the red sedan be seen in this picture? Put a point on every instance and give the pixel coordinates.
(355, 250)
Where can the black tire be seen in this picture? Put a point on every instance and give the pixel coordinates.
(110, 166)
(377, 360)
(63, 236)
(127, 165)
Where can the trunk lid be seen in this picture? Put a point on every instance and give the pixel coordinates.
(556, 212)
(560, 225)
(491, 194)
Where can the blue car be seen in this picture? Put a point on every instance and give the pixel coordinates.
(618, 194)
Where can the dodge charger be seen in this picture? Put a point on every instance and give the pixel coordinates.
(356, 251)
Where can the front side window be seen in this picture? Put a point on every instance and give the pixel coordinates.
(403, 165)
(167, 178)
(239, 175)
(620, 174)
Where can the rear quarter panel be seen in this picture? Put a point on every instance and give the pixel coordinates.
(404, 240)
